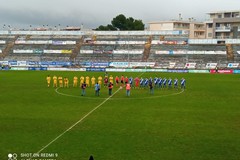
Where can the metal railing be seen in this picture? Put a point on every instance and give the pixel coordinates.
(224, 37)
(224, 28)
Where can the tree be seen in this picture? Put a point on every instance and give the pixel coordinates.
(109, 27)
(122, 23)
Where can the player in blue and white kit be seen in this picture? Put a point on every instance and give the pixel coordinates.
(183, 83)
(169, 83)
(146, 82)
(141, 82)
(155, 81)
(164, 82)
(160, 81)
(176, 83)
(130, 79)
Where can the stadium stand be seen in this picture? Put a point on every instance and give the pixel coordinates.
(167, 49)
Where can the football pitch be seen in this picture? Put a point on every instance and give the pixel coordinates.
(199, 123)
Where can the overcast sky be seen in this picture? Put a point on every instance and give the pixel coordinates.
(92, 13)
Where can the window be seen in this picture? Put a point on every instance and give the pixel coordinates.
(210, 25)
(209, 34)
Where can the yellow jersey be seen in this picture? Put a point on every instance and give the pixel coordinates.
(111, 79)
(99, 80)
(87, 81)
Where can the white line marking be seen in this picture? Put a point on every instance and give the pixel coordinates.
(129, 98)
(55, 139)
(77, 122)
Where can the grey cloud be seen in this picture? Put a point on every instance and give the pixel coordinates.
(93, 13)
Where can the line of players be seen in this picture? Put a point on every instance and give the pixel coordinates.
(136, 82)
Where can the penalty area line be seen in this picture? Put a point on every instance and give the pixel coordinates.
(80, 120)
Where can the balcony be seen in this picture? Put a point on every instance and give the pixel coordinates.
(224, 37)
(199, 28)
(223, 29)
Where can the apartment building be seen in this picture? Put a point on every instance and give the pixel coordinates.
(223, 25)
(219, 25)
(194, 29)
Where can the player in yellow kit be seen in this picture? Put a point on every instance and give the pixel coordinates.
(93, 80)
(60, 81)
(111, 79)
(48, 80)
(100, 80)
(75, 81)
(81, 80)
(87, 81)
(54, 81)
(66, 82)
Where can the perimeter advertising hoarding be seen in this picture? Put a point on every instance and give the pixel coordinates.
(21, 63)
(95, 64)
(177, 71)
(12, 63)
(119, 64)
(211, 65)
(66, 69)
(37, 68)
(224, 71)
(115, 70)
(131, 64)
(135, 70)
(190, 65)
(236, 71)
(54, 64)
(95, 69)
(19, 68)
(4, 62)
(198, 71)
(233, 65)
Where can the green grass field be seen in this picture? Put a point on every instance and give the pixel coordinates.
(201, 123)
